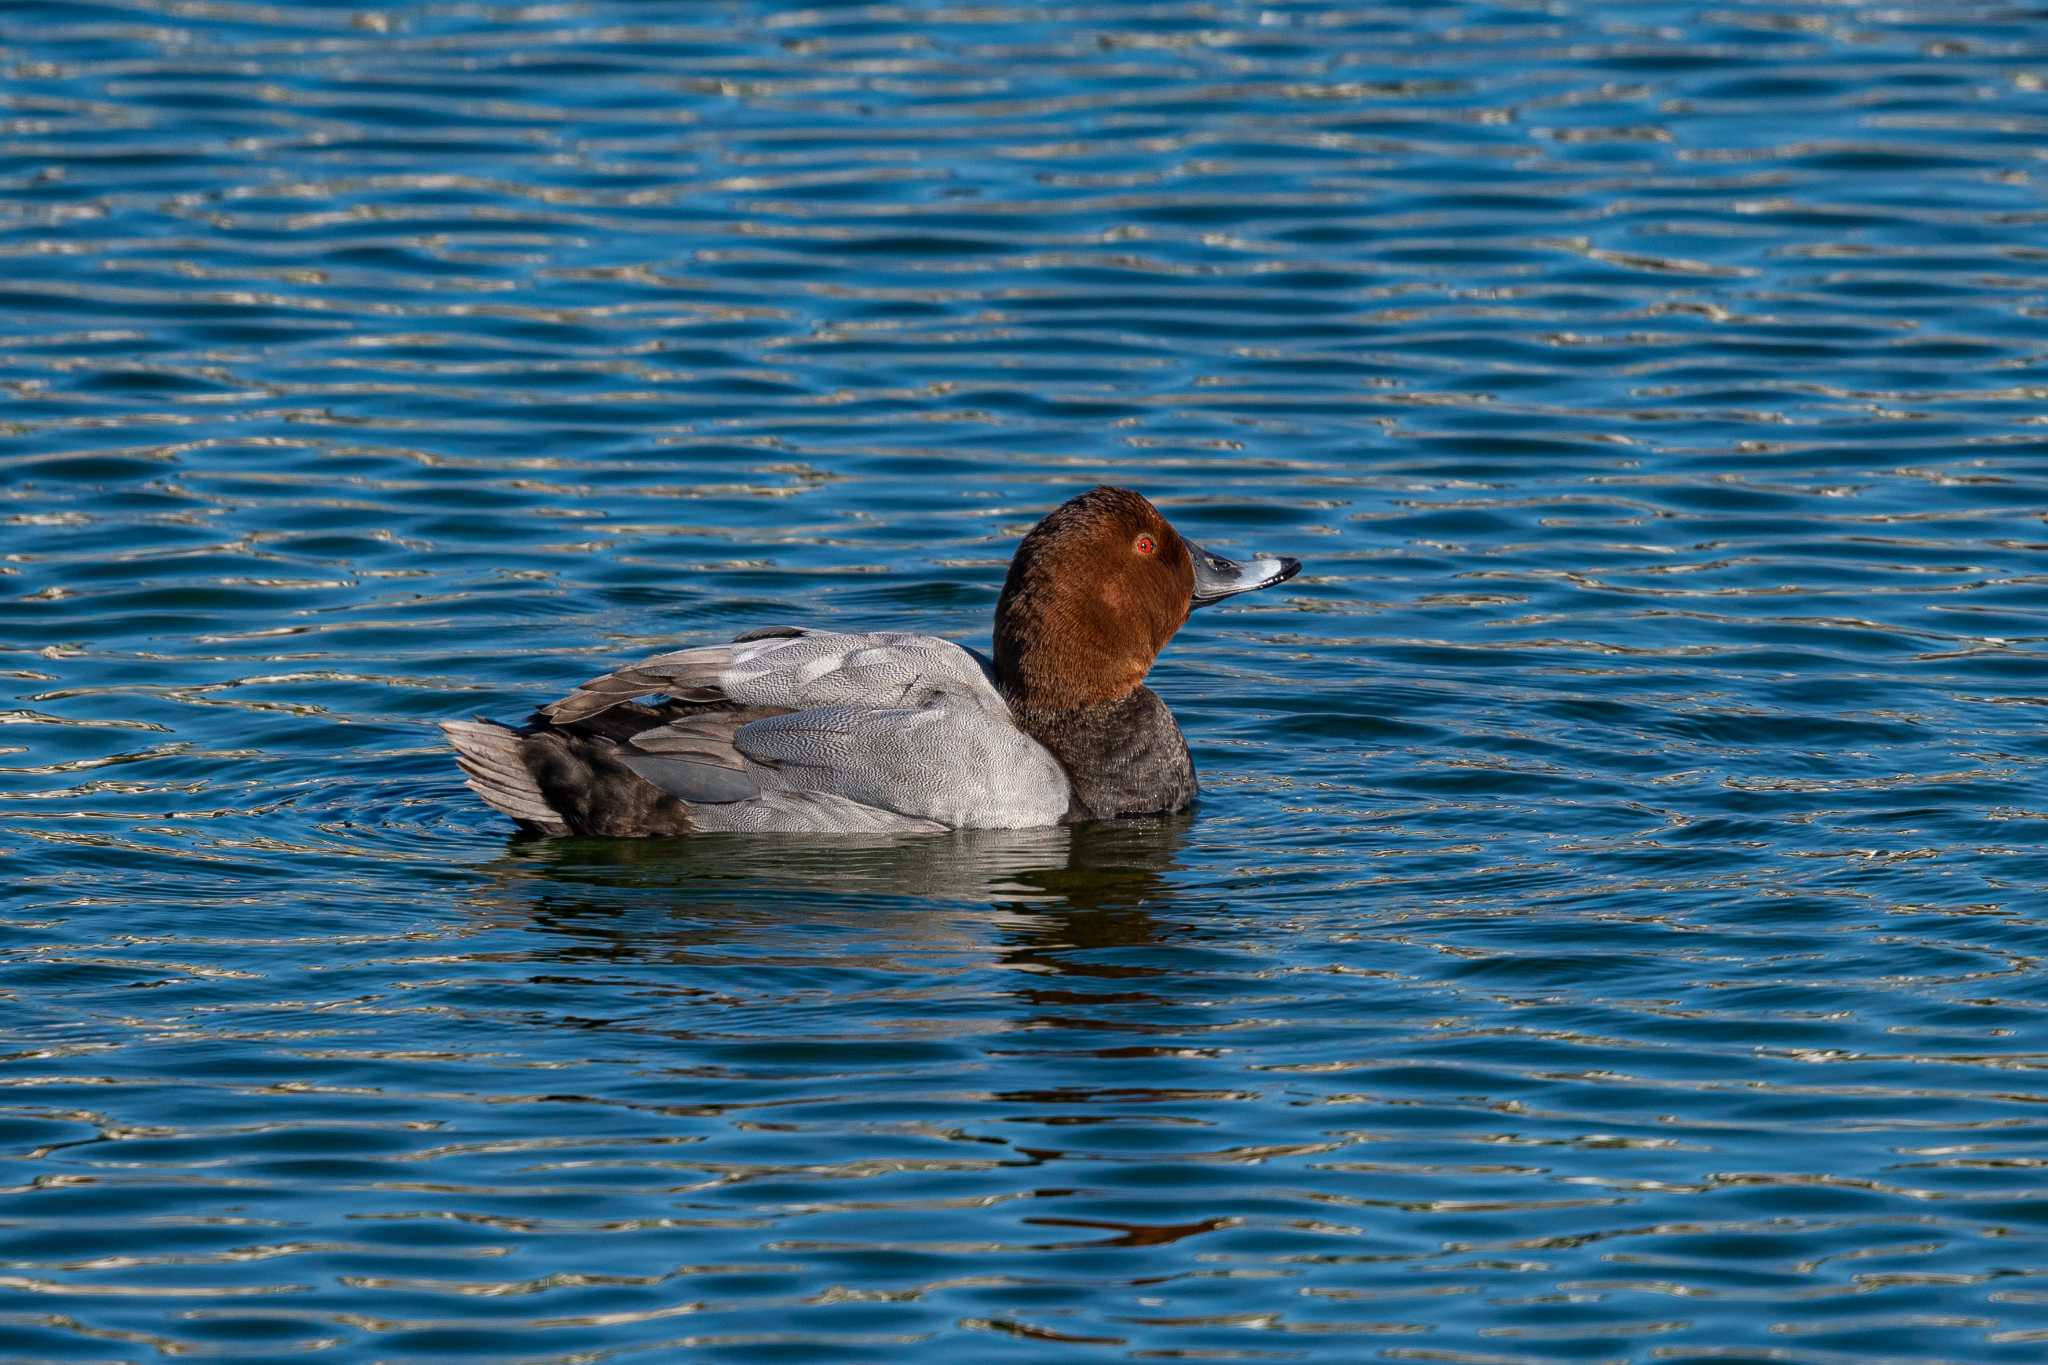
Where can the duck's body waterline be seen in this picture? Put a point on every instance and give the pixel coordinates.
(806, 731)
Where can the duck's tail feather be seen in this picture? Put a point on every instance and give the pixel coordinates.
(489, 754)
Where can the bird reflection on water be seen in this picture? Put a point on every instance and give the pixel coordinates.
(1029, 890)
(799, 963)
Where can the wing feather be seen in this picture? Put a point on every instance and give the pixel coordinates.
(952, 761)
(908, 728)
(787, 668)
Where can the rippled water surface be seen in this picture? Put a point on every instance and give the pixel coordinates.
(1613, 929)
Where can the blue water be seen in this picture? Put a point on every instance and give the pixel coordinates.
(1613, 930)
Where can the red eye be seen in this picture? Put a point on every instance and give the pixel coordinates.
(1144, 545)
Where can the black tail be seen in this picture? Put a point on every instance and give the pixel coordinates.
(558, 780)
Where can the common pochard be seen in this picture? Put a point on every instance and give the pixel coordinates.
(788, 729)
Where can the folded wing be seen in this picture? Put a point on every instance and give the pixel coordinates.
(814, 730)
(789, 668)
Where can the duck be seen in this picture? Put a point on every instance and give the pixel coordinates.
(789, 729)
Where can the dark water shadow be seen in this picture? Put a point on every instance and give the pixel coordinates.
(988, 891)
(1119, 863)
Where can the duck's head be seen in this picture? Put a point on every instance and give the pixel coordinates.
(1095, 592)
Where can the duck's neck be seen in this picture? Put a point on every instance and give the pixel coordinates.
(1123, 757)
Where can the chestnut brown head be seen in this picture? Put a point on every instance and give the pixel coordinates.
(1095, 592)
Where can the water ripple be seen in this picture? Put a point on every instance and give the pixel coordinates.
(1609, 932)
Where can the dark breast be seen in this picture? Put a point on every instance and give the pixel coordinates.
(1124, 758)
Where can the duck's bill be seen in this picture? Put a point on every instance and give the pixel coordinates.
(1218, 577)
